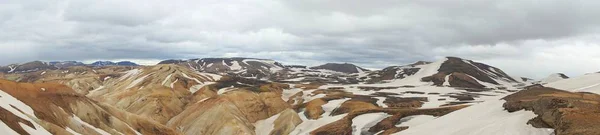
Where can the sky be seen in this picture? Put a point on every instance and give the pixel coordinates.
(531, 38)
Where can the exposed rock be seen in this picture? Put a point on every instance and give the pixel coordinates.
(286, 122)
(567, 113)
(313, 109)
(463, 80)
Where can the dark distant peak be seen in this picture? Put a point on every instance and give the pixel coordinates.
(103, 63)
(171, 61)
(126, 63)
(341, 67)
(110, 63)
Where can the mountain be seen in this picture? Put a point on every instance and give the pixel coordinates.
(451, 71)
(110, 63)
(64, 64)
(48, 108)
(27, 67)
(244, 67)
(344, 68)
(554, 78)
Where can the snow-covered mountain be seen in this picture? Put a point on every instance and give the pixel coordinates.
(451, 71)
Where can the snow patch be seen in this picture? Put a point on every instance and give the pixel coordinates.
(264, 127)
(488, 118)
(362, 123)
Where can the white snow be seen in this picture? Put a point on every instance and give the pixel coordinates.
(235, 66)
(12, 68)
(309, 125)
(585, 83)
(424, 71)
(286, 94)
(188, 77)
(331, 105)
(264, 127)
(362, 123)
(43, 73)
(380, 102)
(225, 90)
(4, 129)
(7, 102)
(488, 118)
(215, 77)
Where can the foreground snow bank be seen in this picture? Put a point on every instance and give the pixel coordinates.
(487, 118)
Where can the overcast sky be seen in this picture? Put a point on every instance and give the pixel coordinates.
(532, 38)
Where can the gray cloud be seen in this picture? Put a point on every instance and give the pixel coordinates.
(511, 34)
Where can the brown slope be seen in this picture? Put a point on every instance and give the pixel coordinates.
(57, 107)
(157, 92)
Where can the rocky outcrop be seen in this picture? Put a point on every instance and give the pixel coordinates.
(567, 113)
(286, 122)
(463, 80)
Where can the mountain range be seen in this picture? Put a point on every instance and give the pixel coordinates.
(216, 96)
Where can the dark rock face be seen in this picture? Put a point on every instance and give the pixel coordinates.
(566, 112)
(563, 76)
(344, 68)
(126, 63)
(464, 72)
(463, 80)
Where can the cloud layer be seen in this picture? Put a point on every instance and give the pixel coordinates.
(524, 37)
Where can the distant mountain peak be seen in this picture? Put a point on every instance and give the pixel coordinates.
(341, 67)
